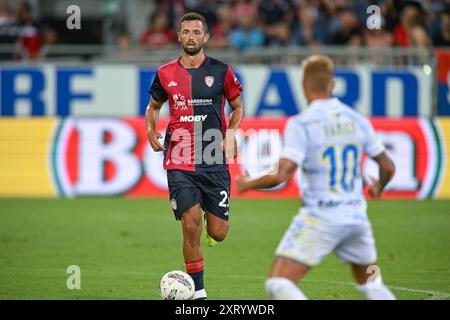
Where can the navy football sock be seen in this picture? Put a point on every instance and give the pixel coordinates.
(198, 280)
(195, 270)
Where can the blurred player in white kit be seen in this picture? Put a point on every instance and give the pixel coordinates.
(327, 141)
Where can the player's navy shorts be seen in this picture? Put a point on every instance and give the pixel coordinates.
(210, 189)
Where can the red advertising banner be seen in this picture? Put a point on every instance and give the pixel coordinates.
(110, 156)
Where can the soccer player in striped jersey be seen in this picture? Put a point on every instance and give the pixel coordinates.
(198, 141)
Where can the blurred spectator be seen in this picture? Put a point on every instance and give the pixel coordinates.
(173, 10)
(158, 35)
(378, 38)
(248, 33)
(124, 45)
(208, 8)
(241, 7)
(49, 36)
(442, 37)
(410, 31)
(274, 15)
(332, 7)
(9, 31)
(8, 28)
(222, 29)
(390, 11)
(307, 29)
(30, 37)
(359, 8)
(21, 30)
(251, 23)
(282, 35)
(347, 30)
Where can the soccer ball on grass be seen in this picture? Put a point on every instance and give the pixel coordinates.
(177, 285)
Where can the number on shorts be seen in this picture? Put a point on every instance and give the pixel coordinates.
(224, 203)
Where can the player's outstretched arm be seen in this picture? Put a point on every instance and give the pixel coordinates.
(151, 119)
(284, 172)
(386, 173)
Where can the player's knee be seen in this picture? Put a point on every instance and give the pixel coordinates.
(218, 233)
(192, 228)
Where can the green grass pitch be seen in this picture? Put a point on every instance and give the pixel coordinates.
(124, 246)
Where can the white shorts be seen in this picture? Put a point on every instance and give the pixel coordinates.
(308, 241)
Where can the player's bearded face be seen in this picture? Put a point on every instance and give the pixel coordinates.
(192, 48)
(192, 36)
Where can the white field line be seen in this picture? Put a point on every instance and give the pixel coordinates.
(435, 295)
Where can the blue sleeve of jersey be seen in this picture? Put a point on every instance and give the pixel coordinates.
(157, 91)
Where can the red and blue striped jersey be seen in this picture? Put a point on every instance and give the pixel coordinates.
(197, 112)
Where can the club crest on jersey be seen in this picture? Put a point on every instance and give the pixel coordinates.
(209, 80)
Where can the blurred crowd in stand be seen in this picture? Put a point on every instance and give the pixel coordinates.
(243, 24)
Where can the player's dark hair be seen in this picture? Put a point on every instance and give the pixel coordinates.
(191, 16)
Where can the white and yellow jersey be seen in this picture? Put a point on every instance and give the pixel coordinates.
(327, 142)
